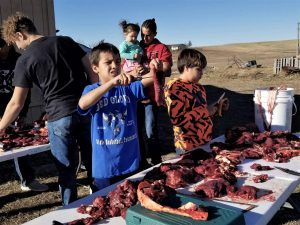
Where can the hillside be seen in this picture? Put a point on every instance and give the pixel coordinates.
(222, 71)
(263, 52)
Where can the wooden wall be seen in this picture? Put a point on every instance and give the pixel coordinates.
(41, 12)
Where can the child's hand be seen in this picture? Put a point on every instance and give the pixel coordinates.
(122, 79)
(138, 71)
(218, 108)
(224, 106)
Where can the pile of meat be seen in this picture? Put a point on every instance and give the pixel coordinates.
(17, 137)
(277, 146)
(217, 172)
(114, 204)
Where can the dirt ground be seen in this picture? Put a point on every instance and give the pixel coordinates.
(17, 207)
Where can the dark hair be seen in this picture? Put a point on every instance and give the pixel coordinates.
(17, 23)
(129, 27)
(190, 58)
(26, 25)
(150, 24)
(102, 47)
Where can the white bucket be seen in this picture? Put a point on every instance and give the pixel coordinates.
(281, 116)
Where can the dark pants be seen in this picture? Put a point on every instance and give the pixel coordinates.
(147, 121)
(24, 170)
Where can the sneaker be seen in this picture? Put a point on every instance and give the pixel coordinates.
(93, 189)
(34, 186)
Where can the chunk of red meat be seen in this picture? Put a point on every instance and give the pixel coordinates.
(259, 167)
(260, 178)
(213, 188)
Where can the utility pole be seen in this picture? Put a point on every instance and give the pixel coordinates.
(298, 47)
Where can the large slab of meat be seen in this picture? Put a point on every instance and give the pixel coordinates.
(147, 195)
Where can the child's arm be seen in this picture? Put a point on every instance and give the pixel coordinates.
(88, 100)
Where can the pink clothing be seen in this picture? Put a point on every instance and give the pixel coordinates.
(129, 65)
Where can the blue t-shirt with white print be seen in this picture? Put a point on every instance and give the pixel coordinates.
(114, 130)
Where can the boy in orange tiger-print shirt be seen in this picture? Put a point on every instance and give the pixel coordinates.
(186, 101)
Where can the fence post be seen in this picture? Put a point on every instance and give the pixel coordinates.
(275, 66)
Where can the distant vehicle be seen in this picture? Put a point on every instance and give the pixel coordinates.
(251, 63)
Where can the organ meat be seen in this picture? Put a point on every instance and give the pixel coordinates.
(260, 178)
(259, 167)
(158, 89)
(180, 177)
(188, 210)
(246, 192)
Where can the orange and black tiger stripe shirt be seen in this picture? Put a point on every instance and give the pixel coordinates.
(187, 108)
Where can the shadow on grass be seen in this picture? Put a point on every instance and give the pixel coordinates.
(29, 209)
(12, 197)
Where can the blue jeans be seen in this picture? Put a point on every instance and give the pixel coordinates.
(148, 118)
(66, 135)
(24, 170)
(151, 121)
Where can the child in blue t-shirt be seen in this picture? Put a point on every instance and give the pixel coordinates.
(112, 104)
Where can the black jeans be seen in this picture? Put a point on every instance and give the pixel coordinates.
(147, 121)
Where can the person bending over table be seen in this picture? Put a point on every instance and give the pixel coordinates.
(57, 65)
(8, 59)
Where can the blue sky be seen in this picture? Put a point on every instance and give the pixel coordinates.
(203, 22)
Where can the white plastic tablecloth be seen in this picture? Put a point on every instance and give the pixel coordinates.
(281, 183)
(19, 152)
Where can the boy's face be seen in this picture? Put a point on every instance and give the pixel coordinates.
(194, 74)
(109, 66)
